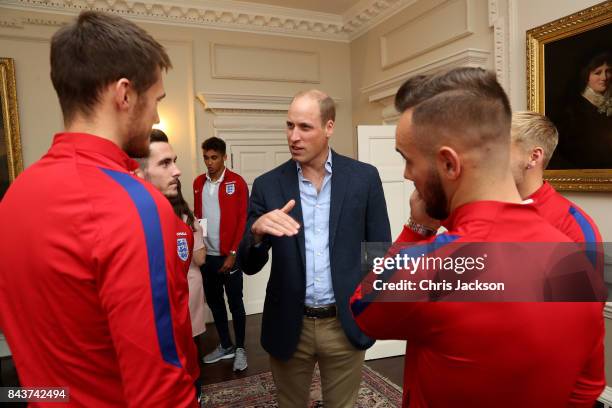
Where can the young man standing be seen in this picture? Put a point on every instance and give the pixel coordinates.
(313, 213)
(454, 135)
(90, 290)
(161, 171)
(534, 139)
(220, 199)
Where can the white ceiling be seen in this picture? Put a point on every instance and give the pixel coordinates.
(322, 6)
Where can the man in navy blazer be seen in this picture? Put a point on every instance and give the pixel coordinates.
(314, 211)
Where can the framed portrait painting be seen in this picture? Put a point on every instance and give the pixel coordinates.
(569, 64)
(11, 162)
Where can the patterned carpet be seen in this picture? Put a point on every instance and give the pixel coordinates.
(257, 391)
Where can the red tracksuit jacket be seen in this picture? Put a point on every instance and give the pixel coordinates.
(91, 293)
(505, 354)
(233, 200)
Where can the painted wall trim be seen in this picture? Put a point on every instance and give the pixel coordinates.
(393, 46)
(388, 87)
(234, 15)
(306, 64)
(219, 102)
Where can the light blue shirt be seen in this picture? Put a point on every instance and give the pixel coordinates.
(315, 211)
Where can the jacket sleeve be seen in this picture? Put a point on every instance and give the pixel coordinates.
(377, 222)
(251, 257)
(140, 291)
(381, 319)
(380, 311)
(243, 197)
(592, 380)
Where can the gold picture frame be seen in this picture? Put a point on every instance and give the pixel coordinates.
(567, 30)
(10, 141)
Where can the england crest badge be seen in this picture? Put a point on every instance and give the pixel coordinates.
(230, 188)
(182, 249)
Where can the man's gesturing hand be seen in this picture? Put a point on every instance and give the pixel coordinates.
(276, 222)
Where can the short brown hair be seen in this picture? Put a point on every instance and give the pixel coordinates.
(158, 135)
(327, 106)
(465, 100)
(214, 143)
(531, 130)
(96, 50)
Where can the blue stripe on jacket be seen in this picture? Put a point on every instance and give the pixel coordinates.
(151, 224)
(590, 238)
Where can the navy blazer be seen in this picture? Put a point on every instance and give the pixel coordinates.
(358, 213)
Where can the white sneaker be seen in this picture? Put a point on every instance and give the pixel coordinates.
(240, 360)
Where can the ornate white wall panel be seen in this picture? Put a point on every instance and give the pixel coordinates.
(384, 91)
(468, 58)
(407, 41)
(264, 64)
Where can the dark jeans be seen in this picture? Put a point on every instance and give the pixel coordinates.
(214, 283)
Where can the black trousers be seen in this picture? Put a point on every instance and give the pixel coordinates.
(214, 283)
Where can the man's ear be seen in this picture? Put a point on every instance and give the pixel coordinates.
(449, 163)
(329, 128)
(123, 94)
(536, 157)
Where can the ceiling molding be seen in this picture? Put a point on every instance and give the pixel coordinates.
(234, 15)
(367, 14)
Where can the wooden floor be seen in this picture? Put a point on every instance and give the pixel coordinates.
(391, 368)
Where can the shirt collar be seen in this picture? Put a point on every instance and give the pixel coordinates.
(328, 163)
(86, 142)
(487, 211)
(219, 180)
(543, 192)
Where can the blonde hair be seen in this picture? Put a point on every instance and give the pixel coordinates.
(531, 129)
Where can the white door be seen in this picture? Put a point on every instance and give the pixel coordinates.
(376, 145)
(251, 160)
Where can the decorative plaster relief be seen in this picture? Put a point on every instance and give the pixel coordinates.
(384, 91)
(264, 64)
(236, 15)
(396, 45)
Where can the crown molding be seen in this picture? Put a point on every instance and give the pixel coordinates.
(234, 15)
(367, 14)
